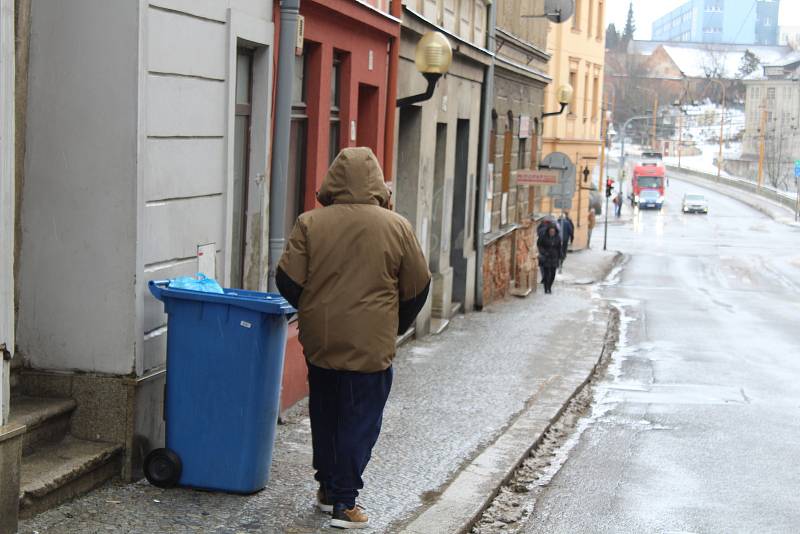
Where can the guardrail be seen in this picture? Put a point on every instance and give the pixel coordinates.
(786, 198)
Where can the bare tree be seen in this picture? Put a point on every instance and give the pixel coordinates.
(778, 148)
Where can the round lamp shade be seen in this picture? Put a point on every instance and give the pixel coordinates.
(564, 94)
(434, 54)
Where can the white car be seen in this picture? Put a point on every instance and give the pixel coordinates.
(695, 204)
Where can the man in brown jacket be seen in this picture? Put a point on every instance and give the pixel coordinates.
(357, 276)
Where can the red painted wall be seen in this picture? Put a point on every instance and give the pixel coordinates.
(352, 31)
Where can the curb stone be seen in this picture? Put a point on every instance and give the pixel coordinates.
(471, 492)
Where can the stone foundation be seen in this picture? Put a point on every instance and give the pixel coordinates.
(10, 461)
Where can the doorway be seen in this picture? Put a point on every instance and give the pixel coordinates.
(241, 160)
(367, 127)
(461, 229)
(438, 245)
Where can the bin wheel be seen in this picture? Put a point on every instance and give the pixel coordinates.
(162, 468)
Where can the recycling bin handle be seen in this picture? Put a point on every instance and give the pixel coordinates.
(155, 287)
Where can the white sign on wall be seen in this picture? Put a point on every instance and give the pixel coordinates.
(524, 127)
(207, 260)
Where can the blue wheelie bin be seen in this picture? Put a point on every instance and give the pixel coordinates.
(224, 366)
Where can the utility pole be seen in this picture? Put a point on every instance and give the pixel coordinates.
(721, 127)
(653, 140)
(680, 137)
(603, 140)
(761, 147)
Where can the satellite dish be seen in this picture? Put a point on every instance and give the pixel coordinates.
(558, 11)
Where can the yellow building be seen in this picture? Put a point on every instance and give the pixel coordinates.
(578, 53)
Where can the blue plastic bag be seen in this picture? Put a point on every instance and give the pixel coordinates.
(199, 283)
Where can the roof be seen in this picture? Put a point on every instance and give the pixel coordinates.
(696, 60)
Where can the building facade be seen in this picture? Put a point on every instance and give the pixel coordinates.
(578, 60)
(520, 78)
(343, 97)
(10, 435)
(772, 120)
(720, 21)
(436, 169)
(145, 157)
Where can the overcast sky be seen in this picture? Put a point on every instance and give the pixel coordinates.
(646, 11)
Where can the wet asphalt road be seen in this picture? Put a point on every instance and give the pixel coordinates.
(696, 426)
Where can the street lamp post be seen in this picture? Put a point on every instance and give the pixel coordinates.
(655, 116)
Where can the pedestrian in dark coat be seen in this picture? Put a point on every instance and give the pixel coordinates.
(549, 246)
(357, 276)
(567, 235)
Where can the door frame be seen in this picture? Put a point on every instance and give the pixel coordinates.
(7, 202)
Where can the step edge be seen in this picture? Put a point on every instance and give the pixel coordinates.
(98, 459)
(60, 407)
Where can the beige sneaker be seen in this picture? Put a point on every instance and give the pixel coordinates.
(353, 518)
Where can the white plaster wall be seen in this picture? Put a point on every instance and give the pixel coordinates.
(6, 197)
(188, 79)
(78, 259)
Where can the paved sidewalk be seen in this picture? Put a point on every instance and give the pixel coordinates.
(453, 395)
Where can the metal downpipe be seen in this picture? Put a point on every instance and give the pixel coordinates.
(290, 10)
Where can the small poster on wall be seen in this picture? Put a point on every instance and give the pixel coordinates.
(504, 210)
(524, 127)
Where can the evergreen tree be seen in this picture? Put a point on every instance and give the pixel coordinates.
(612, 37)
(630, 27)
(749, 64)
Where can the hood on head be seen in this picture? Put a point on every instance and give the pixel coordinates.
(354, 177)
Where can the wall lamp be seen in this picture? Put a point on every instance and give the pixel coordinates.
(564, 95)
(433, 57)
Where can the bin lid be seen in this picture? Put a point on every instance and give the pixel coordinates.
(253, 300)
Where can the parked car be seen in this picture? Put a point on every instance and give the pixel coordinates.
(651, 198)
(695, 204)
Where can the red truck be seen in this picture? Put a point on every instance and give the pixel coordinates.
(647, 182)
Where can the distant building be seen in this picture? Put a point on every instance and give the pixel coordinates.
(721, 21)
(773, 100)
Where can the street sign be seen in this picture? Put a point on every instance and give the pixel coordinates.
(563, 192)
(538, 177)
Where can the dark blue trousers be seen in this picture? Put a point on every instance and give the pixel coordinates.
(346, 410)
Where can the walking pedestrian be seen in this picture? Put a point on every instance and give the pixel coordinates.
(591, 221)
(549, 246)
(566, 230)
(357, 276)
(618, 201)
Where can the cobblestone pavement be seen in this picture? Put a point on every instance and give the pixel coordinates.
(452, 395)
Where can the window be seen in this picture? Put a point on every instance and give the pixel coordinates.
(586, 96)
(241, 160)
(576, 18)
(521, 153)
(296, 172)
(595, 97)
(600, 11)
(590, 20)
(508, 139)
(770, 93)
(334, 138)
(573, 81)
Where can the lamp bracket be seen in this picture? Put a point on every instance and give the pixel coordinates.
(432, 78)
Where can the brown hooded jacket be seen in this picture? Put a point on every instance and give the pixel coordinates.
(355, 261)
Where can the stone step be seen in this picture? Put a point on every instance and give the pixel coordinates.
(57, 472)
(46, 419)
